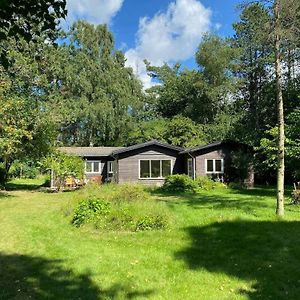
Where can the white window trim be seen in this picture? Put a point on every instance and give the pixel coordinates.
(154, 178)
(110, 163)
(214, 166)
(93, 172)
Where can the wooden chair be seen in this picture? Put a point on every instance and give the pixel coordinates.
(70, 181)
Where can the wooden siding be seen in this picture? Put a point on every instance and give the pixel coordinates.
(103, 172)
(128, 165)
(221, 152)
(217, 154)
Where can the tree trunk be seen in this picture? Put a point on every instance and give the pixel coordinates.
(280, 167)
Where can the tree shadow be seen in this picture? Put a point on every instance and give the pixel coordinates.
(4, 195)
(26, 277)
(11, 186)
(229, 199)
(264, 252)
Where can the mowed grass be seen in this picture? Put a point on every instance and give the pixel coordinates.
(222, 244)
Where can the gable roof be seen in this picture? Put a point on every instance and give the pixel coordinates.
(89, 151)
(215, 144)
(142, 145)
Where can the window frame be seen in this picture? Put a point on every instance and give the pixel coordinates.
(93, 167)
(161, 169)
(214, 166)
(190, 168)
(110, 166)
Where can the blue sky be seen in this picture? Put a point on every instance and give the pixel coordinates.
(158, 30)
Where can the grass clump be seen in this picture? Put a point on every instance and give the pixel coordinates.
(89, 210)
(183, 183)
(180, 183)
(207, 183)
(126, 207)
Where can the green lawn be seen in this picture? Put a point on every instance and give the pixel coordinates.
(222, 244)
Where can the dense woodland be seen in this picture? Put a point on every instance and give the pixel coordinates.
(73, 88)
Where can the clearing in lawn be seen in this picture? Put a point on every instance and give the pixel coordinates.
(221, 244)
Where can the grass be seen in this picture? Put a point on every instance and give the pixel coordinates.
(223, 244)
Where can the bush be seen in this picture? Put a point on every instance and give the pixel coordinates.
(207, 183)
(180, 183)
(150, 223)
(88, 210)
(126, 207)
(130, 193)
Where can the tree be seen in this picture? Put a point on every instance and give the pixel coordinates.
(180, 131)
(22, 132)
(63, 165)
(279, 29)
(251, 39)
(100, 96)
(286, 20)
(28, 19)
(199, 95)
(280, 167)
(26, 129)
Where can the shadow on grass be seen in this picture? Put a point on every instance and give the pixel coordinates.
(264, 252)
(248, 201)
(26, 277)
(4, 195)
(12, 186)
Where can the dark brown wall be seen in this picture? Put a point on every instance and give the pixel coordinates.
(128, 163)
(216, 154)
(220, 152)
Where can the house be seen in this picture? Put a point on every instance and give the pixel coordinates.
(151, 162)
(218, 160)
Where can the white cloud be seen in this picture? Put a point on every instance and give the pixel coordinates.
(169, 36)
(94, 11)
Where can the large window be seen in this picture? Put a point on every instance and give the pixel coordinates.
(214, 166)
(93, 166)
(155, 168)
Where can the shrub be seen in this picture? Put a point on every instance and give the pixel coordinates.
(150, 223)
(180, 183)
(89, 209)
(127, 207)
(130, 193)
(207, 183)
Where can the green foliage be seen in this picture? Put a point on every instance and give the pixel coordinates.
(268, 145)
(183, 183)
(23, 132)
(24, 169)
(130, 193)
(124, 207)
(180, 183)
(63, 165)
(90, 209)
(217, 59)
(150, 223)
(28, 19)
(206, 183)
(99, 97)
(180, 131)
(242, 161)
